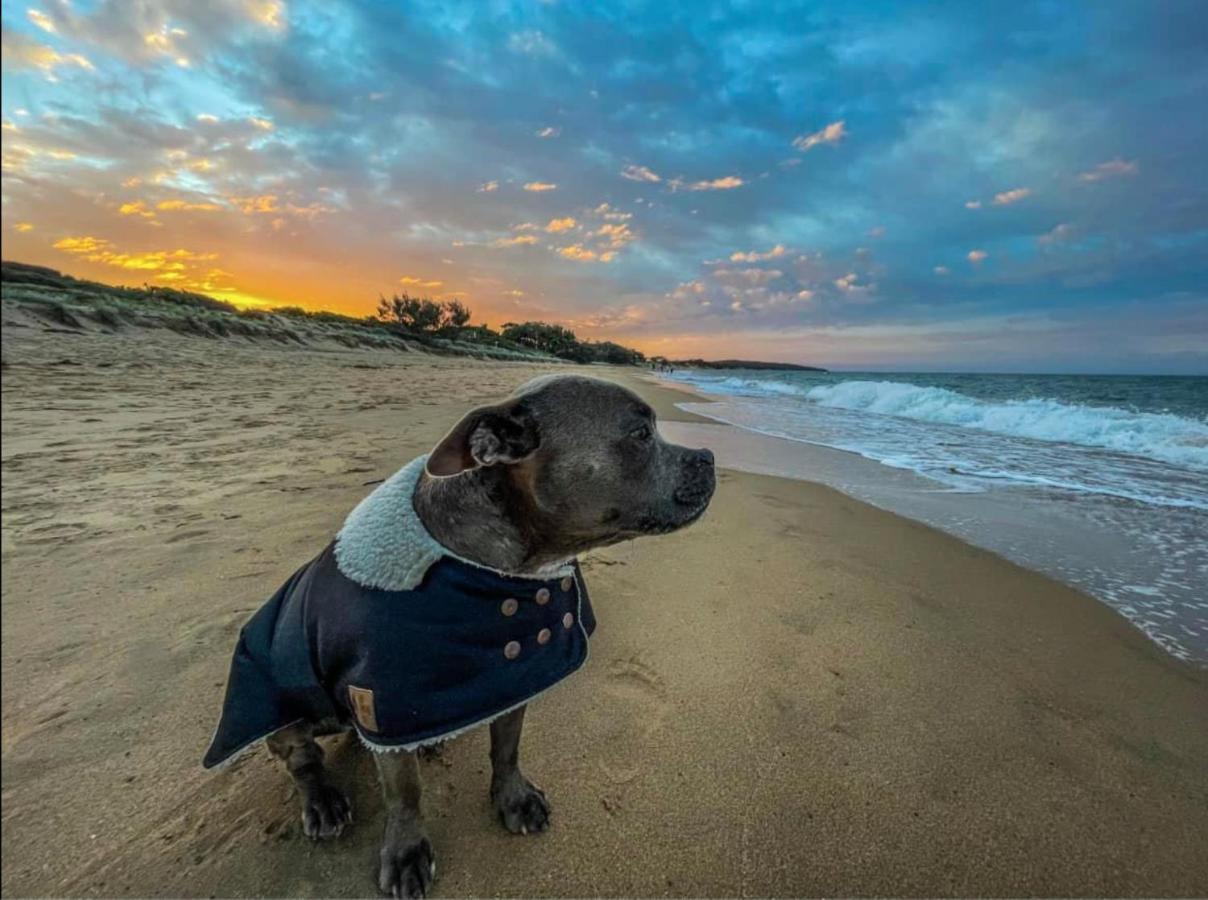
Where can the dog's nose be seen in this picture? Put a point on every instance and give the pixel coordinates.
(701, 458)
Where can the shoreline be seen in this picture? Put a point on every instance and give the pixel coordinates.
(801, 694)
(1059, 541)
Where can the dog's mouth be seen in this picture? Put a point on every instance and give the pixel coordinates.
(691, 501)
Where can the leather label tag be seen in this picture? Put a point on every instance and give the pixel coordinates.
(362, 705)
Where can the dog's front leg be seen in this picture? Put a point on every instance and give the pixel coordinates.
(521, 805)
(407, 864)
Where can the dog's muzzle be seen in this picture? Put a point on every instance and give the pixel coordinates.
(699, 480)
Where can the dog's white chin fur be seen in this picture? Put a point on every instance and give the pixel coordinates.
(383, 544)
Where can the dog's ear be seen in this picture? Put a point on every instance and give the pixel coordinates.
(488, 436)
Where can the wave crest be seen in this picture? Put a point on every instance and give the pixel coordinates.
(1160, 436)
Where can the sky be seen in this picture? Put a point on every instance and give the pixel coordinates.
(900, 186)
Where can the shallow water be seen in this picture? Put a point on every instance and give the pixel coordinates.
(1099, 481)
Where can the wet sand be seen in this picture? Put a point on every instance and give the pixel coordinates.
(800, 695)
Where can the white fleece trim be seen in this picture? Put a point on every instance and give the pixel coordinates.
(384, 544)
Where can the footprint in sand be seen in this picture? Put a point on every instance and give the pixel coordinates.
(637, 711)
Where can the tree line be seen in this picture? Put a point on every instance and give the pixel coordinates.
(421, 316)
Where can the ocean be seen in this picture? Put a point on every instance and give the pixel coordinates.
(1099, 481)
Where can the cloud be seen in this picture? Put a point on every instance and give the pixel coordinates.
(186, 206)
(1005, 198)
(549, 132)
(579, 253)
(265, 203)
(516, 241)
(640, 173)
(607, 212)
(942, 270)
(847, 284)
(616, 235)
(487, 187)
(755, 256)
(136, 208)
(169, 265)
(262, 124)
(23, 226)
(1058, 234)
(726, 183)
(972, 204)
(41, 20)
(749, 277)
(419, 282)
(270, 13)
(1114, 168)
(539, 187)
(976, 256)
(22, 53)
(831, 134)
(557, 225)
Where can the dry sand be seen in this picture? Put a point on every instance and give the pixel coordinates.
(799, 695)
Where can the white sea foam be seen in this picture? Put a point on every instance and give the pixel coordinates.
(1164, 437)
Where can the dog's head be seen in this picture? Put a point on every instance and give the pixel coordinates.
(585, 456)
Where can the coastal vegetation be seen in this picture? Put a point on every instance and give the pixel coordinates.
(402, 322)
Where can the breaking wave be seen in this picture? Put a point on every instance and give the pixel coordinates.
(1161, 436)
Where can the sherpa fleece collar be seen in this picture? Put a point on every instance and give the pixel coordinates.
(385, 545)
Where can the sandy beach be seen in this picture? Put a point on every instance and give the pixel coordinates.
(800, 695)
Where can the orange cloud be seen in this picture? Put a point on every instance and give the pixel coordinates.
(754, 256)
(1012, 196)
(557, 225)
(578, 252)
(137, 208)
(729, 182)
(976, 256)
(831, 134)
(410, 279)
(266, 203)
(488, 186)
(185, 206)
(540, 186)
(1114, 168)
(516, 241)
(99, 250)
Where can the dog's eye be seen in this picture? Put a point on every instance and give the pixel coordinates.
(641, 433)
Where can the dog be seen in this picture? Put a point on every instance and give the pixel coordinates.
(450, 598)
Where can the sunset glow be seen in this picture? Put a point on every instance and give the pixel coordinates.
(860, 185)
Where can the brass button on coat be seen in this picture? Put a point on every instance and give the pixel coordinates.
(543, 636)
(543, 596)
(568, 583)
(568, 620)
(509, 607)
(511, 649)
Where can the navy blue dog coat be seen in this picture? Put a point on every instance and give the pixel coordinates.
(391, 631)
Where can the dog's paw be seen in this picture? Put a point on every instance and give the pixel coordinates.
(521, 806)
(407, 866)
(325, 812)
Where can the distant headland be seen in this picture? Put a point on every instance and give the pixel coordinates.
(741, 364)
